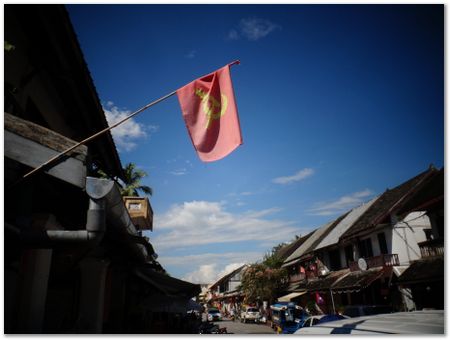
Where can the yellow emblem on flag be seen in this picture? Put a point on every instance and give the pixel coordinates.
(211, 106)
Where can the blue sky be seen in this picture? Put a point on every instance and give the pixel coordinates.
(336, 104)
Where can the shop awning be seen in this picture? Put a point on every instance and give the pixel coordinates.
(326, 282)
(297, 286)
(358, 280)
(232, 294)
(288, 297)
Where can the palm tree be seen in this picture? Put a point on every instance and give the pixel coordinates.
(132, 181)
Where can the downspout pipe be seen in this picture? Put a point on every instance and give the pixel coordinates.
(93, 234)
(95, 223)
(105, 206)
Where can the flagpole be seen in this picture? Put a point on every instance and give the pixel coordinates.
(53, 159)
(332, 300)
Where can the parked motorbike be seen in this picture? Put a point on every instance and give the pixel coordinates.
(210, 328)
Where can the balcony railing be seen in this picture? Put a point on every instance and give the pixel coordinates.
(384, 260)
(432, 248)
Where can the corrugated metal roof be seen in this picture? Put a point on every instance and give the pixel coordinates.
(287, 250)
(344, 225)
(309, 242)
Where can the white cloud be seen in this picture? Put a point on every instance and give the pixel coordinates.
(206, 273)
(126, 134)
(233, 35)
(191, 54)
(246, 193)
(179, 172)
(340, 205)
(298, 176)
(229, 268)
(209, 267)
(252, 29)
(210, 273)
(201, 222)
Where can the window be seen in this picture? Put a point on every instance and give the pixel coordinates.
(428, 234)
(365, 248)
(315, 322)
(335, 259)
(349, 254)
(382, 243)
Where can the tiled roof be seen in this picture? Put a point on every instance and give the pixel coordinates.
(355, 281)
(388, 202)
(429, 196)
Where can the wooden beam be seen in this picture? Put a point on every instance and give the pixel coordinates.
(43, 136)
(31, 144)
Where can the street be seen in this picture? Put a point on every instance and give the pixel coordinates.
(237, 327)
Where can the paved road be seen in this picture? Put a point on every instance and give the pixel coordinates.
(237, 327)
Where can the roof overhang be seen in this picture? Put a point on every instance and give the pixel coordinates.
(288, 297)
(168, 285)
(423, 271)
(358, 280)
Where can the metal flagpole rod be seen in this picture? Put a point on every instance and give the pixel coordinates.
(332, 301)
(53, 159)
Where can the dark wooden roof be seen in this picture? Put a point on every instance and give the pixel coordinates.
(423, 270)
(390, 201)
(43, 36)
(429, 197)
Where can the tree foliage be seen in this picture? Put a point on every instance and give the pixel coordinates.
(132, 181)
(265, 281)
(260, 282)
(130, 185)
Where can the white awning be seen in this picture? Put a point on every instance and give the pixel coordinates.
(288, 297)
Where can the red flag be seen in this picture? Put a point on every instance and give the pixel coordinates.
(210, 113)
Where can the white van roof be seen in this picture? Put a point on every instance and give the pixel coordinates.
(418, 322)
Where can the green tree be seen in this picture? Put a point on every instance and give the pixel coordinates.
(260, 282)
(273, 259)
(265, 281)
(132, 181)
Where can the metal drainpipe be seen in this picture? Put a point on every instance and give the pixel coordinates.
(95, 230)
(103, 195)
(95, 222)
